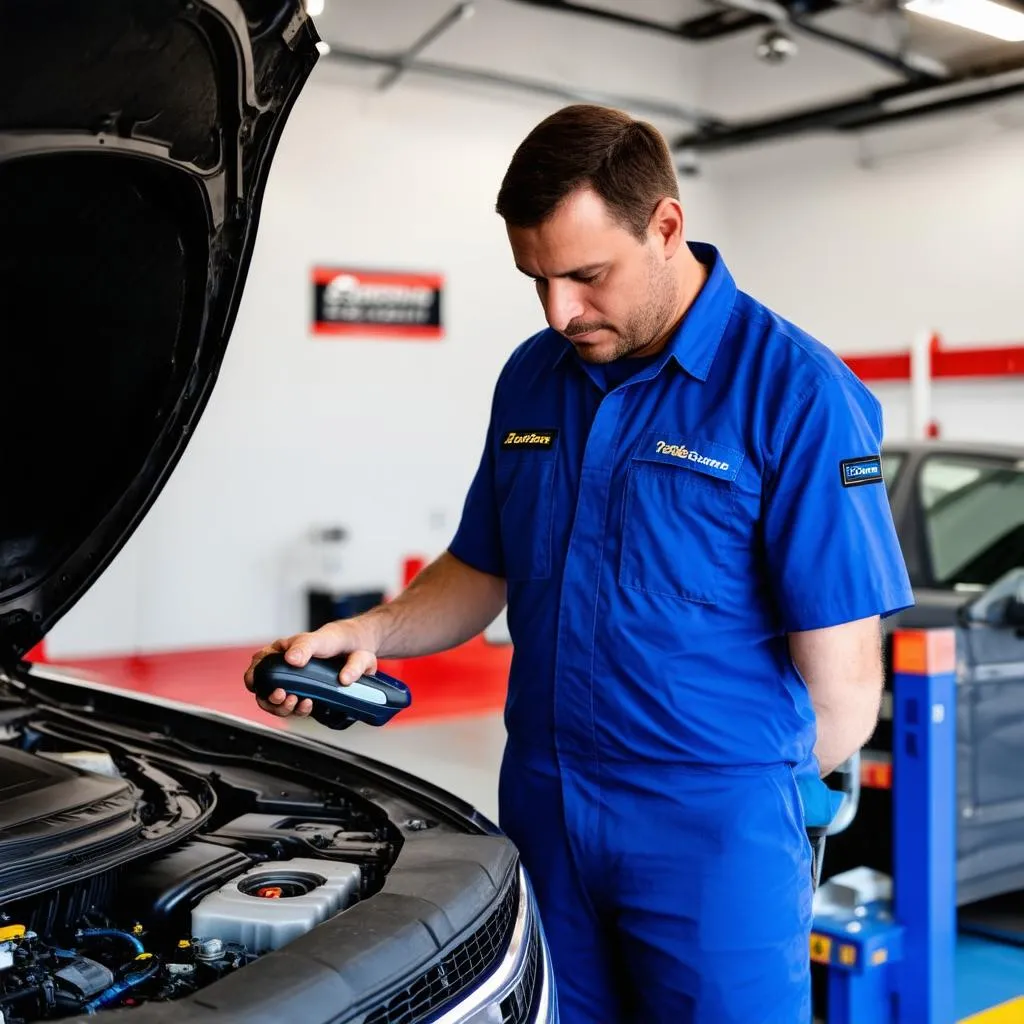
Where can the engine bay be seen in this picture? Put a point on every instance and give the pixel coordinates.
(138, 867)
(166, 928)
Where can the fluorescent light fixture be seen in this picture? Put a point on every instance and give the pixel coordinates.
(314, 8)
(323, 48)
(983, 16)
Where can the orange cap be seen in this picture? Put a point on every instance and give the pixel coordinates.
(924, 652)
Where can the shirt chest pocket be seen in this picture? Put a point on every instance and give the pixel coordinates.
(525, 488)
(680, 521)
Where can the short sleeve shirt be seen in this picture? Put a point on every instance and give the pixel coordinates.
(663, 530)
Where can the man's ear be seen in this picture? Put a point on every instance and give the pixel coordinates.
(667, 225)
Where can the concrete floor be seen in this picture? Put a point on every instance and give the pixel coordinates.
(461, 755)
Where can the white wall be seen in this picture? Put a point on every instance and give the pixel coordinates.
(861, 241)
(382, 436)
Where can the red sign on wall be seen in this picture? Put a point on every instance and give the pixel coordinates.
(377, 303)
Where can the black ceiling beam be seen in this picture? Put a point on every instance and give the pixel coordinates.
(942, 106)
(857, 113)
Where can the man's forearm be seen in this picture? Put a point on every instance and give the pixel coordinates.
(446, 604)
(845, 728)
(842, 667)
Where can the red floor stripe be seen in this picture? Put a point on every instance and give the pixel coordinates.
(470, 680)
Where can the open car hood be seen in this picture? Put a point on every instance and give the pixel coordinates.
(136, 139)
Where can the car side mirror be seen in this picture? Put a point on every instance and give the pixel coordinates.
(1013, 612)
(1000, 606)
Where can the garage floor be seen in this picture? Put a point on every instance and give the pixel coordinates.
(453, 736)
(461, 755)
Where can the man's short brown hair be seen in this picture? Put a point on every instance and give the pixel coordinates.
(626, 162)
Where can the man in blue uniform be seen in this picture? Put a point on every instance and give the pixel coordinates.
(680, 498)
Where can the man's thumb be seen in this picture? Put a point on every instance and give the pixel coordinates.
(299, 653)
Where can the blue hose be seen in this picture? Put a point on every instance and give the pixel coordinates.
(118, 989)
(112, 933)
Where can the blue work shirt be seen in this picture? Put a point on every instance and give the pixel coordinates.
(663, 525)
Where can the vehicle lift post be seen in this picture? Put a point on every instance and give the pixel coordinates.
(895, 963)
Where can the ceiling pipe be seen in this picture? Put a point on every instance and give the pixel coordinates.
(639, 105)
(458, 13)
(940, 106)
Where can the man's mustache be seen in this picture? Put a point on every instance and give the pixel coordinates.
(573, 329)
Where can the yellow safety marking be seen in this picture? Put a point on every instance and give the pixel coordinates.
(848, 955)
(1005, 1013)
(183, 943)
(144, 956)
(12, 931)
(821, 948)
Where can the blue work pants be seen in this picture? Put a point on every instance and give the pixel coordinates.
(668, 893)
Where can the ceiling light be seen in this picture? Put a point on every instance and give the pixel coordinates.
(323, 48)
(314, 8)
(775, 47)
(983, 16)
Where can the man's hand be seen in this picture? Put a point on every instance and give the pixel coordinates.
(447, 604)
(346, 636)
(842, 666)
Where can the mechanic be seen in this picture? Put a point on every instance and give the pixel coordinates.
(680, 498)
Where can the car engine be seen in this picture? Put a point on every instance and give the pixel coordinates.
(200, 911)
(129, 876)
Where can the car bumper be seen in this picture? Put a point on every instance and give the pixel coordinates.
(521, 989)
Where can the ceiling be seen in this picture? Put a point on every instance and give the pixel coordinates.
(855, 61)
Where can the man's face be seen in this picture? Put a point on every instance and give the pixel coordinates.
(610, 294)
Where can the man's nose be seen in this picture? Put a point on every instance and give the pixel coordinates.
(563, 305)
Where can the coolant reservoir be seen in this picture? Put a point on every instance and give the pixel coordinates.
(270, 905)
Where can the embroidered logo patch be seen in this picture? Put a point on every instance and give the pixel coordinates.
(706, 457)
(543, 440)
(866, 470)
(680, 451)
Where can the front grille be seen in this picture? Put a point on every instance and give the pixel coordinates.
(460, 969)
(516, 1007)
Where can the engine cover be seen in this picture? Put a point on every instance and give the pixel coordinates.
(54, 817)
(270, 905)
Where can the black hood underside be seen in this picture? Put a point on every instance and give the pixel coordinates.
(135, 146)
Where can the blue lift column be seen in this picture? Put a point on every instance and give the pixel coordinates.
(924, 823)
(894, 962)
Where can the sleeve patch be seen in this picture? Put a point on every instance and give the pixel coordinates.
(865, 470)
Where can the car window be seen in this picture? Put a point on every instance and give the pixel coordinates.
(974, 518)
(892, 462)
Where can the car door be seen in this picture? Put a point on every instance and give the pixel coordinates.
(971, 519)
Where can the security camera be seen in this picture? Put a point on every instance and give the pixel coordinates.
(775, 47)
